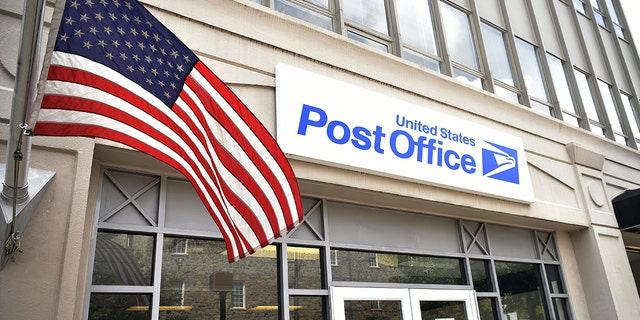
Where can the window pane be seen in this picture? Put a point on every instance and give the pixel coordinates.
(560, 309)
(579, 6)
(369, 13)
(497, 54)
(570, 119)
(633, 123)
(398, 268)
(554, 279)
(422, 60)
(195, 283)
(521, 292)
(541, 107)
(531, 70)
(609, 105)
(119, 306)
(467, 78)
(304, 268)
(487, 308)
(507, 94)
(443, 310)
(368, 309)
(457, 31)
(123, 259)
(367, 41)
(560, 83)
(305, 14)
(307, 307)
(481, 276)
(416, 25)
(586, 96)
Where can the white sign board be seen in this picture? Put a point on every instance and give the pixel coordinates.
(328, 121)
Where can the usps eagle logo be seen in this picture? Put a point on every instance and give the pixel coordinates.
(500, 162)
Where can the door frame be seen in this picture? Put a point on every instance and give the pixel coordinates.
(409, 299)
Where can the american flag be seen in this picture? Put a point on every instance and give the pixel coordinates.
(115, 72)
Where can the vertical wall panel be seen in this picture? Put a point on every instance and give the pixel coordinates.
(593, 48)
(570, 34)
(490, 10)
(632, 65)
(547, 27)
(520, 20)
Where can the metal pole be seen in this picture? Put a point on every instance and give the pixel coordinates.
(18, 145)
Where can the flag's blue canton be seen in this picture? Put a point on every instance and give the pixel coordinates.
(127, 38)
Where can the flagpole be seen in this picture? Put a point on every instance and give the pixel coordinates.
(15, 184)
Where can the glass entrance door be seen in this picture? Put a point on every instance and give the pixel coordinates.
(403, 304)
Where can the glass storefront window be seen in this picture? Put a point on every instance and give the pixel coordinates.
(481, 275)
(487, 309)
(521, 290)
(398, 268)
(304, 268)
(123, 259)
(307, 307)
(119, 306)
(372, 309)
(202, 284)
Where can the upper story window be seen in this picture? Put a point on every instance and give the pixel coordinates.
(588, 102)
(634, 124)
(533, 79)
(597, 13)
(442, 36)
(580, 6)
(461, 45)
(570, 113)
(499, 62)
(612, 112)
(418, 33)
(617, 25)
(314, 11)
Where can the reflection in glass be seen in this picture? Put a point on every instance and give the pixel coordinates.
(123, 259)
(119, 306)
(457, 31)
(480, 275)
(559, 77)
(612, 112)
(467, 78)
(443, 310)
(487, 308)
(507, 94)
(372, 309)
(633, 123)
(416, 25)
(367, 41)
(196, 284)
(553, 276)
(369, 13)
(560, 309)
(531, 70)
(303, 13)
(497, 54)
(304, 268)
(587, 97)
(421, 60)
(398, 268)
(520, 290)
(307, 307)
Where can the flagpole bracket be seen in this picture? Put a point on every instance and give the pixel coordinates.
(12, 230)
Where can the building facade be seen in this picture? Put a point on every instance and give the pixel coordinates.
(381, 106)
